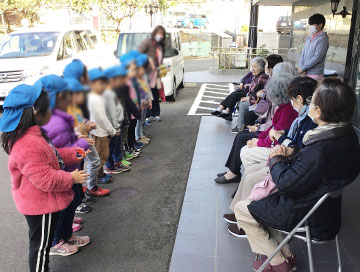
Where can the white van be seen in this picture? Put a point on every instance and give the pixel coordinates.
(173, 58)
(27, 55)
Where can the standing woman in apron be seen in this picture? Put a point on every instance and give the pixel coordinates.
(154, 47)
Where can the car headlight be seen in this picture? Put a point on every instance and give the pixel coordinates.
(34, 73)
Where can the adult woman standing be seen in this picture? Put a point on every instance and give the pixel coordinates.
(154, 47)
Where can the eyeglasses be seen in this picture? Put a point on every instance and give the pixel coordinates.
(309, 99)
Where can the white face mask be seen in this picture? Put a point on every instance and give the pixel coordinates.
(312, 29)
(158, 38)
(292, 104)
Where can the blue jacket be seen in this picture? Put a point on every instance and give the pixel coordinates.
(312, 59)
(297, 141)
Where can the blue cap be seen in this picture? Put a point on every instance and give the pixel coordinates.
(74, 85)
(96, 73)
(19, 98)
(74, 69)
(141, 59)
(116, 71)
(53, 84)
(126, 59)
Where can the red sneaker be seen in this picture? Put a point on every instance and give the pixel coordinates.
(98, 191)
(77, 220)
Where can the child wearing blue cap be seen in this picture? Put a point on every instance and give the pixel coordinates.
(40, 186)
(77, 70)
(83, 128)
(104, 128)
(61, 132)
(115, 112)
(145, 97)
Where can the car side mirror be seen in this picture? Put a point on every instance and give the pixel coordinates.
(176, 52)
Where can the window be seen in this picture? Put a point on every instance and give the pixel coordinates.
(130, 41)
(93, 37)
(79, 42)
(66, 49)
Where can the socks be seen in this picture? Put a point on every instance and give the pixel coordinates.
(225, 111)
(219, 109)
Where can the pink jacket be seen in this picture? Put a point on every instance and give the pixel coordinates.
(38, 184)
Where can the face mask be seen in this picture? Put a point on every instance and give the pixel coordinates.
(312, 29)
(158, 38)
(292, 104)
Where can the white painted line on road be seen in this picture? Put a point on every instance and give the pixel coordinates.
(206, 108)
(231, 87)
(216, 97)
(226, 94)
(210, 102)
(217, 85)
(197, 100)
(219, 89)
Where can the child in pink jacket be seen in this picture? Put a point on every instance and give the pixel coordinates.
(40, 186)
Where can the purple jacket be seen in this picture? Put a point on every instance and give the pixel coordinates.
(61, 132)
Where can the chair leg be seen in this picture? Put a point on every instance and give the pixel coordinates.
(338, 253)
(308, 243)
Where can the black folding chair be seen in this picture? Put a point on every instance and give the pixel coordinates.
(303, 227)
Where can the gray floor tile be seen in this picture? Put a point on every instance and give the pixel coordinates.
(180, 263)
(205, 197)
(204, 165)
(197, 226)
(352, 250)
(194, 245)
(230, 246)
(201, 174)
(202, 157)
(201, 184)
(234, 265)
(198, 209)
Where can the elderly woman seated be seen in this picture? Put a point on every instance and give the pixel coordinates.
(299, 90)
(257, 84)
(327, 162)
(259, 143)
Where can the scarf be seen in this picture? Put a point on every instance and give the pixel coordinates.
(296, 124)
(321, 129)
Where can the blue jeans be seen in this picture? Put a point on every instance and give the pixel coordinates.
(115, 151)
(92, 161)
(140, 125)
(64, 226)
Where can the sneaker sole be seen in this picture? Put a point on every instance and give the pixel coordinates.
(100, 195)
(237, 235)
(229, 221)
(84, 244)
(63, 254)
(81, 212)
(235, 132)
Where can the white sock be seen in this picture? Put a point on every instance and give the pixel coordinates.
(219, 109)
(225, 111)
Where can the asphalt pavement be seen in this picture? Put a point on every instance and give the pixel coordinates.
(134, 228)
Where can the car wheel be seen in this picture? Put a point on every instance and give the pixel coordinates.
(181, 86)
(173, 96)
(191, 25)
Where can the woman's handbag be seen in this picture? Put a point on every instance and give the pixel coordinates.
(162, 92)
(262, 106)
(263, 189)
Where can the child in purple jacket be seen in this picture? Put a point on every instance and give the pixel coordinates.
(61, 132)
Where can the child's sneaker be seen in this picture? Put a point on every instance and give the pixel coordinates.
(111, 170)
(157, 118)
(135, 153)
(88, 199)
(105, 179)
(144, 140)
(147, 124)
(77, 220)
(76, 227)
(128, 156)
(63, 249)
(147, 135)
(121, 168)
(98, 191)
(126, 163)
(138, 146)
(83, 208)
(79, 241)
(148, 120)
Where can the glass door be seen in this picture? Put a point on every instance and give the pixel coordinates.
(355, 68)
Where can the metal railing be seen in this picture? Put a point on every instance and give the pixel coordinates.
(237, 58)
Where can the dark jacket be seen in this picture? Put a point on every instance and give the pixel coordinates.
(328, 162)
(297, 141)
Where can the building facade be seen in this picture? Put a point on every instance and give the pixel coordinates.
(343, 32)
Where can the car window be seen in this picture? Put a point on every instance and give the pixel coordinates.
(93, 37)
(168, 46)
(79, 42)
(66, 49)
(32, 44)
(130, 41)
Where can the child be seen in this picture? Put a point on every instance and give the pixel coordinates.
(104, 128)
(129, 61)
(92, 160)
(61, 132)
(40, 188)
(115, 113)
(145, 97)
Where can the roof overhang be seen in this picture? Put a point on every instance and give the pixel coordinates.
(274, 2)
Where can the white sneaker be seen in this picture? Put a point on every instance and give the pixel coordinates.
(151, 118)
(157, 119)
(148, 120)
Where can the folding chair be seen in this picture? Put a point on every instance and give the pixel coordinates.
(303, 227)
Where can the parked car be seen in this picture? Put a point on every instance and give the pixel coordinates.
(172, 17)
(173, 57)
(193, 20)
(283, 25)
(27, 55)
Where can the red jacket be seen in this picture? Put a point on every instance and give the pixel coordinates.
(38, 184)
(282, 120)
